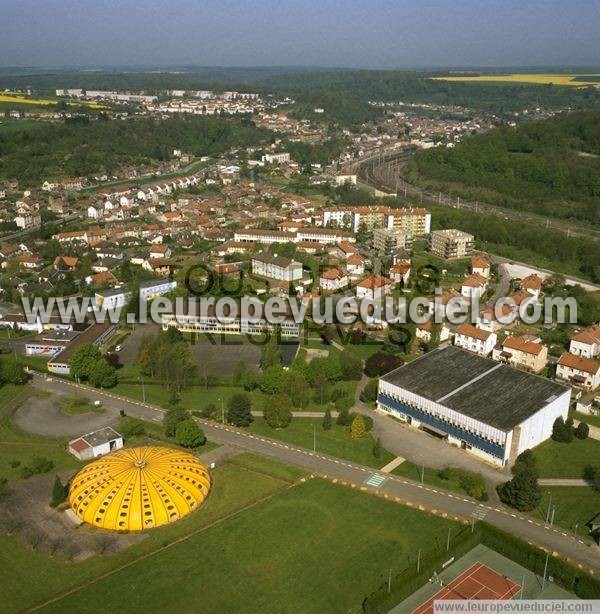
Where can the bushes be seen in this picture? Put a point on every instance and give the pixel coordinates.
(172, 418)
(369, 392)
(239, 410)
(382, 362)
(277, 412)
(521, 492)
(472, 483)
(188, 434)
(59, 492)
(562, 431)
(582, 431)
(131, 427)
(38, 464)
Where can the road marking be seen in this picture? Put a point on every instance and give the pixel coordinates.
(377, 480)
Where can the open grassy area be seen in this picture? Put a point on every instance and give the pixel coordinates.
(336, 442)
(430, 476)
(575, 507)
(566, 460)
(316, 547)
(591, 420)
(77, 406)
(30, 578)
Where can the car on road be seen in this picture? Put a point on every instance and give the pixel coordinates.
(97, 403)
(118, 348)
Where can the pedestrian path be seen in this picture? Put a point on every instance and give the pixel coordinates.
(392, 464)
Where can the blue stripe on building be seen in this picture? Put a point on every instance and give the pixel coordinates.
(480, 443)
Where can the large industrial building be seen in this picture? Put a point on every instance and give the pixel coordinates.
(488, 408)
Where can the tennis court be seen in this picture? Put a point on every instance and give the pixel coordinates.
(477, 582)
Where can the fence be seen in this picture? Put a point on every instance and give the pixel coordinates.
(530, 557)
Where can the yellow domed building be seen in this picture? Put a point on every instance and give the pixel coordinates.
(139, 488)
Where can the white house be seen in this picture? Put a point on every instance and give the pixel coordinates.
(582, 372)
(481, 266)
(333, 279)
(586, 343)
(474, 286)
(96, 444)
(156, 287)
(373, 288)
(474, 339)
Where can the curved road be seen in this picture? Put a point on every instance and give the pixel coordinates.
(399, 489)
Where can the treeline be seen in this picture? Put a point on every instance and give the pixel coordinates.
(551, 167)
(83, 148)
(525, 241)
(407, 86)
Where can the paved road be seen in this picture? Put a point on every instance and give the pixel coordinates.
(402, 490)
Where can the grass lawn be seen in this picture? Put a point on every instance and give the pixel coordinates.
(76, 407)
(337, 545)
(591, 420)
(30, 578)
(430, 476)
(575, 507)
(566, 460)
(336, 442)
(198, 397)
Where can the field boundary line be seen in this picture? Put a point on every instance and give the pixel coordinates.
(152, 553)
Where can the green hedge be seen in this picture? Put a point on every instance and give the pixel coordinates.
(530, 557)
(533, 558)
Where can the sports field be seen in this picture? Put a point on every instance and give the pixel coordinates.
(264, 541)
(572, 80)
(476, 571)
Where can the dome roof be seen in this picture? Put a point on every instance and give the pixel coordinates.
(139, 488)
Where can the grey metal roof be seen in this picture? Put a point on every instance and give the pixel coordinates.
(480, 388)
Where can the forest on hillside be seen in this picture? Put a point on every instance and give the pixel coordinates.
(83, 147)
(550, 167)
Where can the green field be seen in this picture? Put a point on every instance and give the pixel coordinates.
(591, 420)
(317, 547)
(575, 507)
(256, 506)
(566, 460)
(335, 442)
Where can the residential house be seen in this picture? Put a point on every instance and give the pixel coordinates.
(532, 284)
(400, 272)
(424, 331)
(481, 266)
(474, 339)
(581, 372)
(586, 343)
(525, 352)
(333, 280)
(276, 267)
(160, 251)
(373, 288)
(474, 286)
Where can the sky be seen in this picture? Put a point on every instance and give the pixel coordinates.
(332, 33)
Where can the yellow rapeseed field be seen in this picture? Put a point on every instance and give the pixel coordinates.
(21, 99)
(541, 79)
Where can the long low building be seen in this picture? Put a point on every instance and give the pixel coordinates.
(200, 317)
(485, 407)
